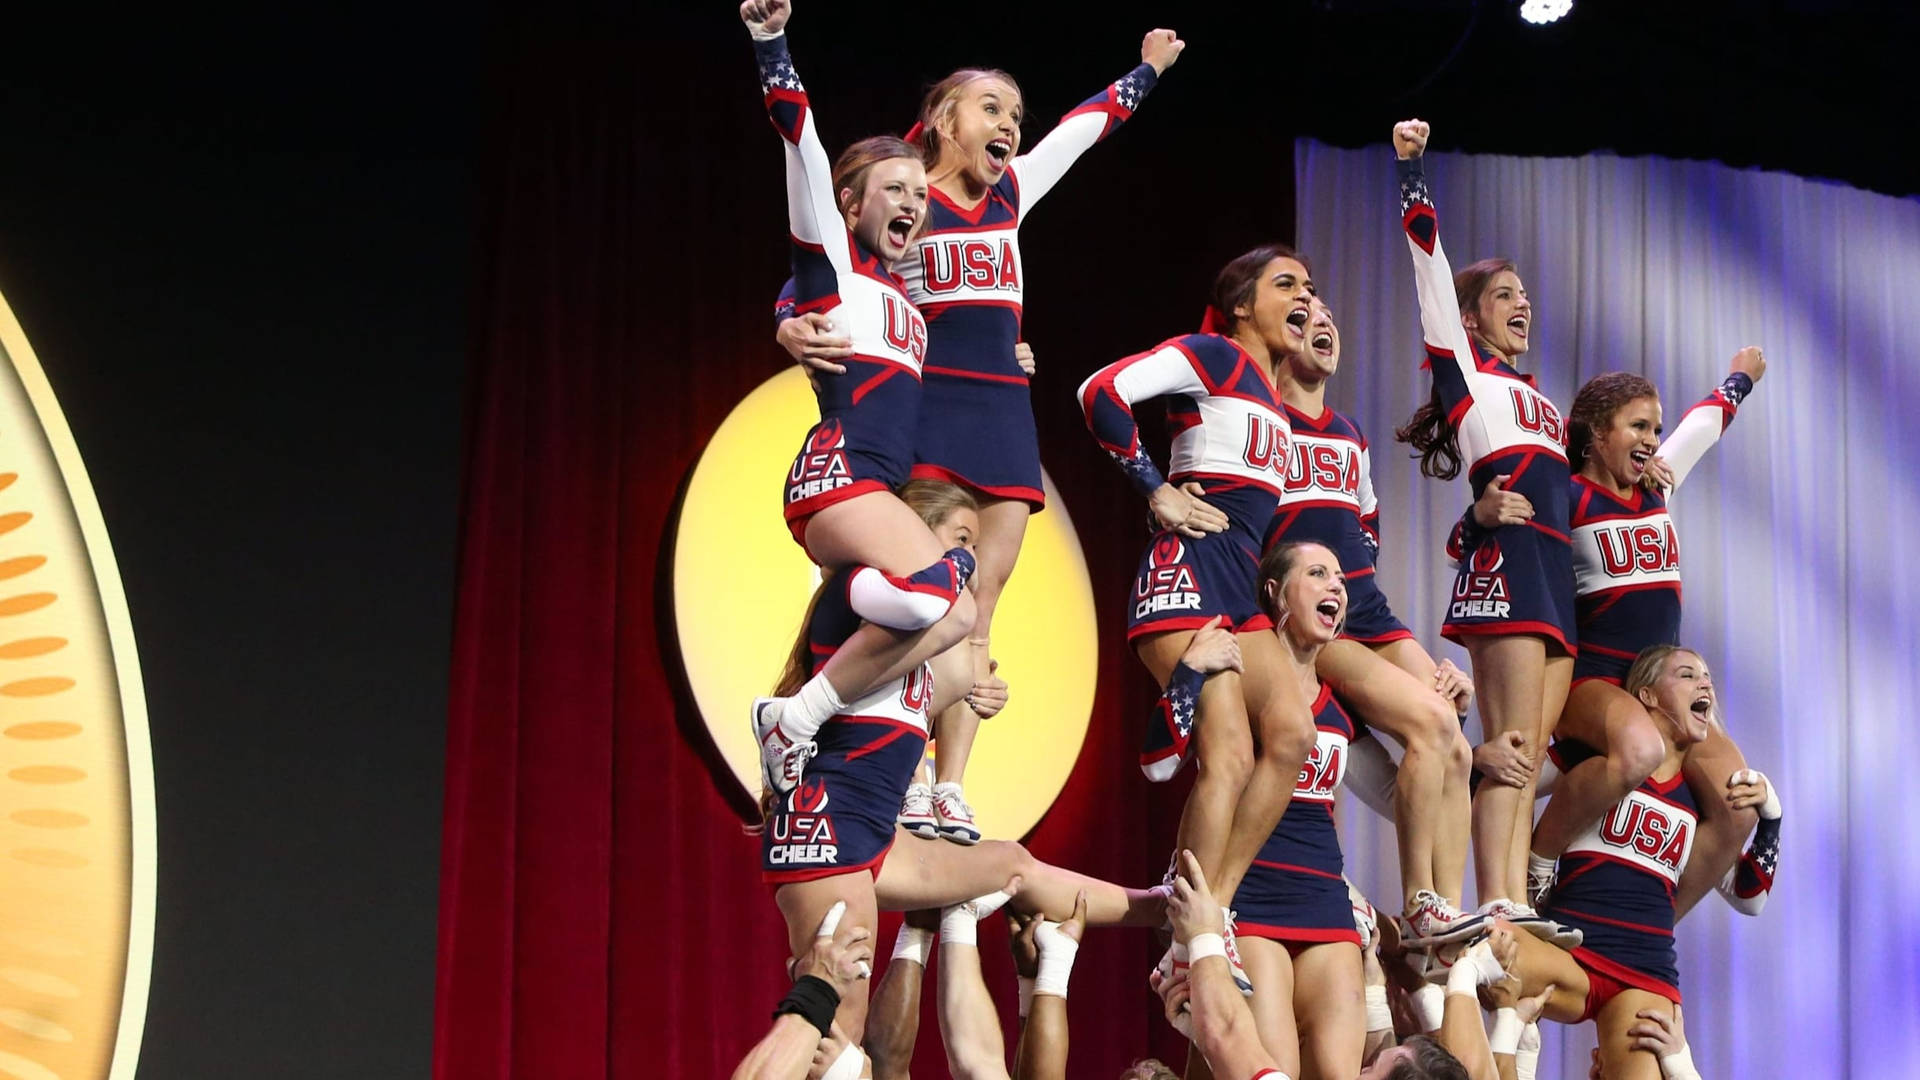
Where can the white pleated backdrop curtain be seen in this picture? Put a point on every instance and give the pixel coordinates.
(1799, 533)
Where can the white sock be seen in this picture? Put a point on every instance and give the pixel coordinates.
(1539, 866)
(1057, 951)
(913, 943)
(815, 704)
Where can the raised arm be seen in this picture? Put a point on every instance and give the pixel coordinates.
(813, 214)
(1700, 428)
(1094, 119)
(1042, 1054)
(969, 1023)
(1750, 881)
(1446, 339)
(1215, 1016)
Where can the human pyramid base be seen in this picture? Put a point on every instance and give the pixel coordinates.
(1256, 609)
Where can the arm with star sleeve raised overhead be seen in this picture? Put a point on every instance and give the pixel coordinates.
(813, 216)
(1701, 427)
(1038, 170)
(1446, 338)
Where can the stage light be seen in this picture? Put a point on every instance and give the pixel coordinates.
(1542, 12)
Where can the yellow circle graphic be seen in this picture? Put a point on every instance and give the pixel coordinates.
(76, 775)
(741, 586)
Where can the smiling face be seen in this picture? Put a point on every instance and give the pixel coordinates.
(1310, 601)
(1503, 318)
(979, 125)
(1320, 357)
(1683, 696)
(1276, 313)
(1622, 452)
(890, 209)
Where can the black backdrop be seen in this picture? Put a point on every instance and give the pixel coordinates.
(241, 242)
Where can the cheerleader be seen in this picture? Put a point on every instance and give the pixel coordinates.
(833, 839)
(850, 224)
(1293, 915)
(1627, 580)
(1512, 602)
(1375, 666)
(1621, 877)
(965, 274)
(1197, 579)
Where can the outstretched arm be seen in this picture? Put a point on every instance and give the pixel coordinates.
(812, 212)
(1038, 170)
(1701, 427)
(1206, 1001)
(969, 1023)
(1446, 338)
(1043, 1040)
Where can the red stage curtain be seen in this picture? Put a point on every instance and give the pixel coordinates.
(601, 911)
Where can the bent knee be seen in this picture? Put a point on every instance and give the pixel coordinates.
(1224, 759)
(1009, 855)
(1636, 750)
(1286, 738)
(1434, 728)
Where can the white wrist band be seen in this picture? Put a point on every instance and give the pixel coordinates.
(1679, 1065)
(1057, 951)
(1205, 945)
(1429, 1007)
(913, 943)
(1379, 1013)
(1505, 1037)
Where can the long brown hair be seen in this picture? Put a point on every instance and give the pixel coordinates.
(939, 104)
(1434, 438)
(1595, 405)
(1236, 283)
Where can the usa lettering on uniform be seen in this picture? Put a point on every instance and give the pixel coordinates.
(1165, 588)
(974, 264)
(1646, 547)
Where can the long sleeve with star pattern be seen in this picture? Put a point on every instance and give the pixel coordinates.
(812, 213)
(1038, 170)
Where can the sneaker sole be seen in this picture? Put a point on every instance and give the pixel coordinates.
(966, 837)
(925, 830)
(767, 778)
